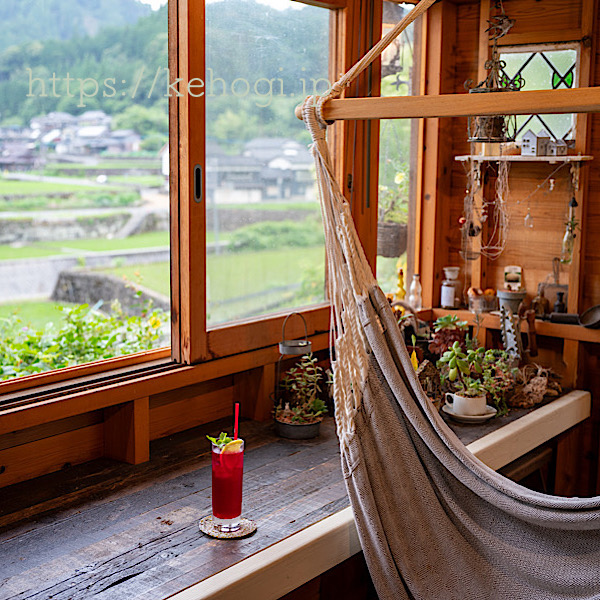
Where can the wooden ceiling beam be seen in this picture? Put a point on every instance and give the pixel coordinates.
(578, 100)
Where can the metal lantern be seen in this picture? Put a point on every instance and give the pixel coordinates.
(494, 128)
(297, 347)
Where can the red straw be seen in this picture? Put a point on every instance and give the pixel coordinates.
(237, 418)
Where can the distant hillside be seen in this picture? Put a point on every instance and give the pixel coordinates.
(275, 54)
(37, 20)
(115, 55)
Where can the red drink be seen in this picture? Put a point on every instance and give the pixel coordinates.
(227, 471)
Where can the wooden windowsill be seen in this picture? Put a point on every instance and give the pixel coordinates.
(288, 564)
(133, 529)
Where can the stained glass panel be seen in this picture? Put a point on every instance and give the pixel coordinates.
(544, 70)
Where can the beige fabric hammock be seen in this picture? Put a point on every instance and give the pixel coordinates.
(434, 522)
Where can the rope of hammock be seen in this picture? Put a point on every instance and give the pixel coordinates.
(335, 91)
(420, 499)
(350, 277)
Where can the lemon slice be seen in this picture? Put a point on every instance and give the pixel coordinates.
(232, 447)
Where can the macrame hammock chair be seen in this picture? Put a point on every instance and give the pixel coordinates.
(434, 522)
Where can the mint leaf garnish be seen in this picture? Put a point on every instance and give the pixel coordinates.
(221, 441)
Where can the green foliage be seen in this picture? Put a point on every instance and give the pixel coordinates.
(106, 199)
(272, 70)
(299, 401)
(478, 371)
(109, 56)
(269, 235)
(449, 321)
(45, 19)
(84, 335)
(144, 120)
(221, 441)
(393, 198)
(464, 369)
(498, 378)
(154, 142)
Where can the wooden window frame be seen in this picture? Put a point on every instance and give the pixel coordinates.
(192, 342)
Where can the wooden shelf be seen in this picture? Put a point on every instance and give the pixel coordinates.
(544, 328)
(520, 158)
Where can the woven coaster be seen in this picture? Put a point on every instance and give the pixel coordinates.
(207, 526)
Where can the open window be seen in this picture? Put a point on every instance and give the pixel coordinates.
(230, 187)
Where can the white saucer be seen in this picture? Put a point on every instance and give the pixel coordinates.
(490, 411)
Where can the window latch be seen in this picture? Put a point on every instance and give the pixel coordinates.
(198, 183)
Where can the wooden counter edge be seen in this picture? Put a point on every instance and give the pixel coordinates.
(288, 564)
(515, 439)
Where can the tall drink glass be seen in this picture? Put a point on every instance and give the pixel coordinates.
(227, 471)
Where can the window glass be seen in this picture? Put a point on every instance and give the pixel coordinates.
(84, 239)
(396, 157)
(265, 248)
(543, 69)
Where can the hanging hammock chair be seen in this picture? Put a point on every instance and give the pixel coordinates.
(434, 522)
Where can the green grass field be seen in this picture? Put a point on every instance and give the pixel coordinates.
(307, 206)
(34, 314)
(234, 276)
(153, 239)
(148, 181)
(39, 188)
(103, 166)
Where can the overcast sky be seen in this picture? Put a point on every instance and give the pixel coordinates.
(279, 4)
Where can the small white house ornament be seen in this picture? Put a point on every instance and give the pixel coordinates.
(557, 148)
(535, 145)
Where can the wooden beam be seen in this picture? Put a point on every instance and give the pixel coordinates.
(126, 431)
(578, 100)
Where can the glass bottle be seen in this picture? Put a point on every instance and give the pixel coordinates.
(559, 305)
(541, 304)
(414, 293)
(566, 253)
(400, 291)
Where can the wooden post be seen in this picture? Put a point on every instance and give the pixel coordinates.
(253, 391)
(127, 431)
(437, 163)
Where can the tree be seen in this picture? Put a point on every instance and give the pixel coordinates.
(145, 121)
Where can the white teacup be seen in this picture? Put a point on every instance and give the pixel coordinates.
(467, 405)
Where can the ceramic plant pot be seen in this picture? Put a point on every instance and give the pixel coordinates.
(297, 431)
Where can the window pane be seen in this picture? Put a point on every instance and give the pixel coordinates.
(84, 242)
(544, 70)
(264, 235)
(396, 157)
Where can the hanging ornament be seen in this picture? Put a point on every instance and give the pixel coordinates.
(568, 243)
(528, 219)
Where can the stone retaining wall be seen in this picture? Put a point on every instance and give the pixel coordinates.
(37, 277)
(40, 229)
(81, 286)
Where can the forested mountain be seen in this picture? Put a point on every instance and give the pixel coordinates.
(261, 63)
(35, 20)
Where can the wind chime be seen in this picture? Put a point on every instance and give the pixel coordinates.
(489, 129)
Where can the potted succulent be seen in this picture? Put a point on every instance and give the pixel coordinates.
(299, 409)
(447, 330)
(465, 370)
(476, 372)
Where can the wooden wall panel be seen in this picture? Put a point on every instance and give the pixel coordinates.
(189, 407)
(51, 454)
(542, 21)
(531, 248)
